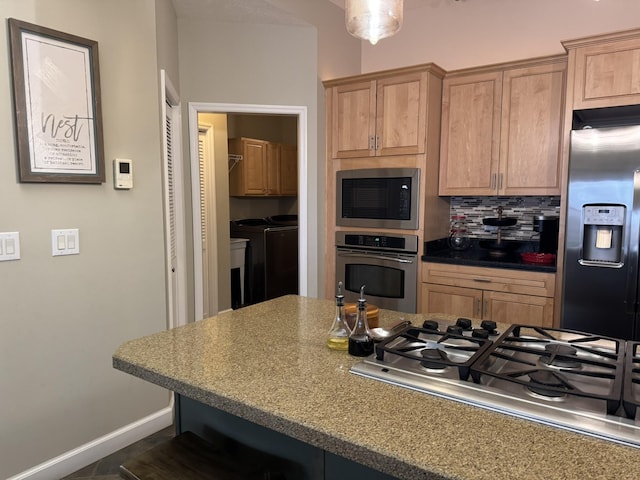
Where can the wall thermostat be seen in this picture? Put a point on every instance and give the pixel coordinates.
(122, 173)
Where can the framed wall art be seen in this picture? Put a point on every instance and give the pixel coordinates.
(56, 89)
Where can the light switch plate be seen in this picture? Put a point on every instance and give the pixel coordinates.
(9, 246)
(65, 242)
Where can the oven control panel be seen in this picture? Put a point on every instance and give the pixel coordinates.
(404, 243)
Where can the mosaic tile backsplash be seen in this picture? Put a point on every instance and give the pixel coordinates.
(522, 208)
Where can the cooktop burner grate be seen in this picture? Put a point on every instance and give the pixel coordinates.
(562, 378)
(555, 364)
(434, 350)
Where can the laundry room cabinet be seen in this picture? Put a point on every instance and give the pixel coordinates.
(264, 168)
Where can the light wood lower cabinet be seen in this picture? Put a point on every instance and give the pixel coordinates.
(502, 295)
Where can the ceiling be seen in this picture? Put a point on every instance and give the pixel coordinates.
(260, 11)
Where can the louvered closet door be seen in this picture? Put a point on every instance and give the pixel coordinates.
(173, 258)
(202, 155)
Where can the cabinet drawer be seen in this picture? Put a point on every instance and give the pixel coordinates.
(494, 279)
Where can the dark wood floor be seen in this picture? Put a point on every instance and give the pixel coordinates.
(107, 468)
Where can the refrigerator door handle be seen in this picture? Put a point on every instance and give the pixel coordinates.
(633, 238)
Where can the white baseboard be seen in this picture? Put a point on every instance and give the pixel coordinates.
(86, 454)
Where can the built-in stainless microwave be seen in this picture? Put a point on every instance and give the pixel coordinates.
(378, 198)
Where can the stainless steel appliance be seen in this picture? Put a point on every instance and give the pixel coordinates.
(386, 264)
(600, 291)
(563, 378)
(271, 258)
(378, 198)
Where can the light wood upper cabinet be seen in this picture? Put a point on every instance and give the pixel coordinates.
(530, 134)
(501, 130)
(353, 123)
(470, 135)
(266, 168)
(379, 114)
(288, 170)
(401, 113)
(607, 70)
(272, 169)
(248, 177)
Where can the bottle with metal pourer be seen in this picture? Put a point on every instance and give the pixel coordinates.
(338, 336)
(360, 340)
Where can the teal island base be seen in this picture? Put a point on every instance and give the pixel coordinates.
(260, 448)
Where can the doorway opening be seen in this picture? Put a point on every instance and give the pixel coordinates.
(212, 280)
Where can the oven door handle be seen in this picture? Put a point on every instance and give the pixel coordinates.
(376, 257)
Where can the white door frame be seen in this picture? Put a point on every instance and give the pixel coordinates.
(303, 205)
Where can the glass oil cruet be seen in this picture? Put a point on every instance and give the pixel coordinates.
(338, 337)
(360, 340)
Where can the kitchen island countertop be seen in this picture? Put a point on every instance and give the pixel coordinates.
(269, 364)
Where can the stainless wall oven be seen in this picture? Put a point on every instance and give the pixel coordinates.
(386, 264)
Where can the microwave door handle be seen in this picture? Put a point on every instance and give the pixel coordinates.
(377, 257)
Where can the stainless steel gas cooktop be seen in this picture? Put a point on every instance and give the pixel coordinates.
(572, 380)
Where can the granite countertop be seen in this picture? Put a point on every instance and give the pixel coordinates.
(269, 364)
(438, 251)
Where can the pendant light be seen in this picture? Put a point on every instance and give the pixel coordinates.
(373, 19)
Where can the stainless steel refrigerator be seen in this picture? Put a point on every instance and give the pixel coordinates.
(603, 232)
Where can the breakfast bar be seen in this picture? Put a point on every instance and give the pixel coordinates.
(263, 376)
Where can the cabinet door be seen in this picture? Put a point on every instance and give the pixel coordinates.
(470, 137)
(607, 75)
(401, 112)
(353, 126)
(272, 172)
(254, 166)
(288, 170)
(248, 176)
(465, 302)
(530, 151)
(524, 309)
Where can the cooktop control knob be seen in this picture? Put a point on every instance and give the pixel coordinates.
(455, 329)
(430, 324)
(490, 326)
(464, 323)
(480, 333)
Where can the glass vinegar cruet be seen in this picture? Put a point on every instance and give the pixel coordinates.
(360, 340)
(338, 336)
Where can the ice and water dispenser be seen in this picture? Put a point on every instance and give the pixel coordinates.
(602, 234)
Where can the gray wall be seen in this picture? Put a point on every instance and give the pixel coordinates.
(63, 317)
(252, 64)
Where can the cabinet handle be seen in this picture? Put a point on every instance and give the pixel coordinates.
(493, 182)
(484, 309)
(477, 307)
(371, 144)
(500, 182)
(482, 280)
(377, 142)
